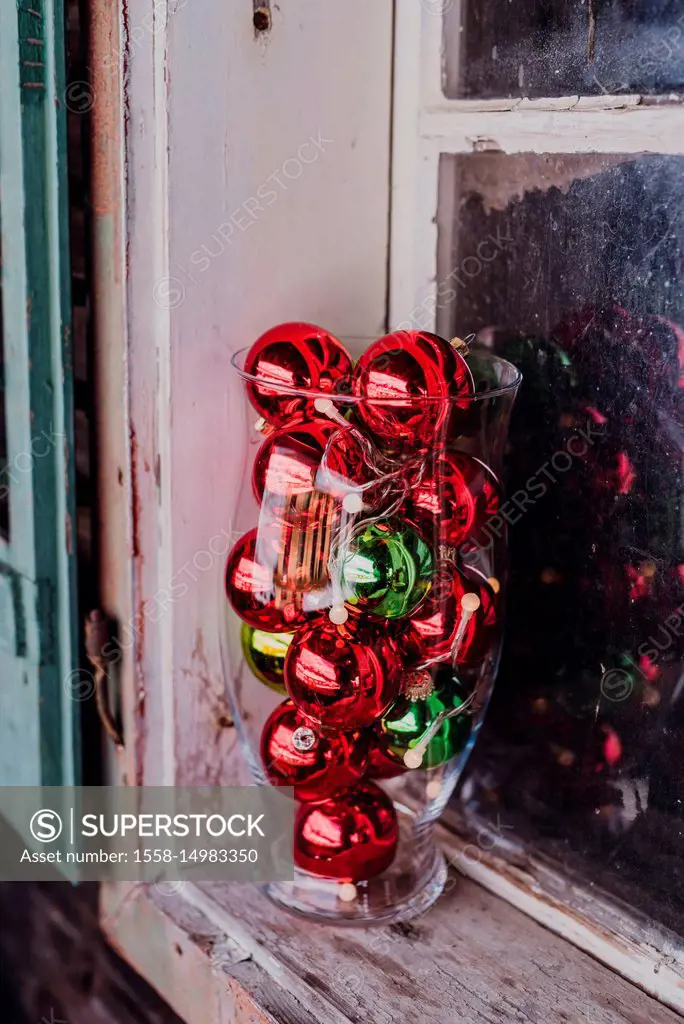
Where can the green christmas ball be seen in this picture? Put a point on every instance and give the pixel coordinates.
(265, 655)
(407, 722)
(387, 569)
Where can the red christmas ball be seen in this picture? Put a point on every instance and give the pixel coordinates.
(294, 357)
(349, 464)
(295, 546)
(455, 496)
(381, 763)
(284, 472)
(342, 676)
(455, 598)
(415, 389)
(253, 590)
(297, 753)
(302, 469)
(351, 837)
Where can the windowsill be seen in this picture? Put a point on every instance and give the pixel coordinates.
(224, 952)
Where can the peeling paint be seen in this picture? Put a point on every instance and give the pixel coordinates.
(136, 509)
(104, 117)
(138, 604)
(68, 534)
(210, 689)
(204, 724)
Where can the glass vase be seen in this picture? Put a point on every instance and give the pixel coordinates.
(362, 620)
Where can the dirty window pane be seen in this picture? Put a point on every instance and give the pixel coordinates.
(514, 48)
(4, 479)
(572, 267)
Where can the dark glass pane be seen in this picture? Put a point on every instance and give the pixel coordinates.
(559, 47)
(572, 268)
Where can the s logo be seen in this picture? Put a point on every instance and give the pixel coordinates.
(45, 826)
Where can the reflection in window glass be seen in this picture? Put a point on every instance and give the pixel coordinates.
(557, 47)
(572, 268)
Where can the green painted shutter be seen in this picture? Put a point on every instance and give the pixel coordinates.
(38, 612)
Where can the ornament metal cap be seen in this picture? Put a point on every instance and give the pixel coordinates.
(460, 345)
(419, 685)
(303, 738)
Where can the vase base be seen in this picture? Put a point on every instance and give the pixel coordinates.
(406, 890)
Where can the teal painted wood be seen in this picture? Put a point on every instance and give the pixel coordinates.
(19, 682)
(37, 690)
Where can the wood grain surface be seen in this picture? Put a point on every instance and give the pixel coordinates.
(472, 959)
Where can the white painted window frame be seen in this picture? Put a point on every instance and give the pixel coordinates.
(179, 144)
(427, 125)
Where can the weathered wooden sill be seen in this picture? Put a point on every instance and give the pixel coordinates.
(224, 953)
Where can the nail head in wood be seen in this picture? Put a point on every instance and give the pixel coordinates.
(262, 18)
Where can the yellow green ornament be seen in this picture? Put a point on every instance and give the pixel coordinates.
(265, 654)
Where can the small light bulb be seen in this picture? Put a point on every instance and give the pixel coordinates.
(433, 789)
(352, 502)
(413, 758)
(347, 892)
